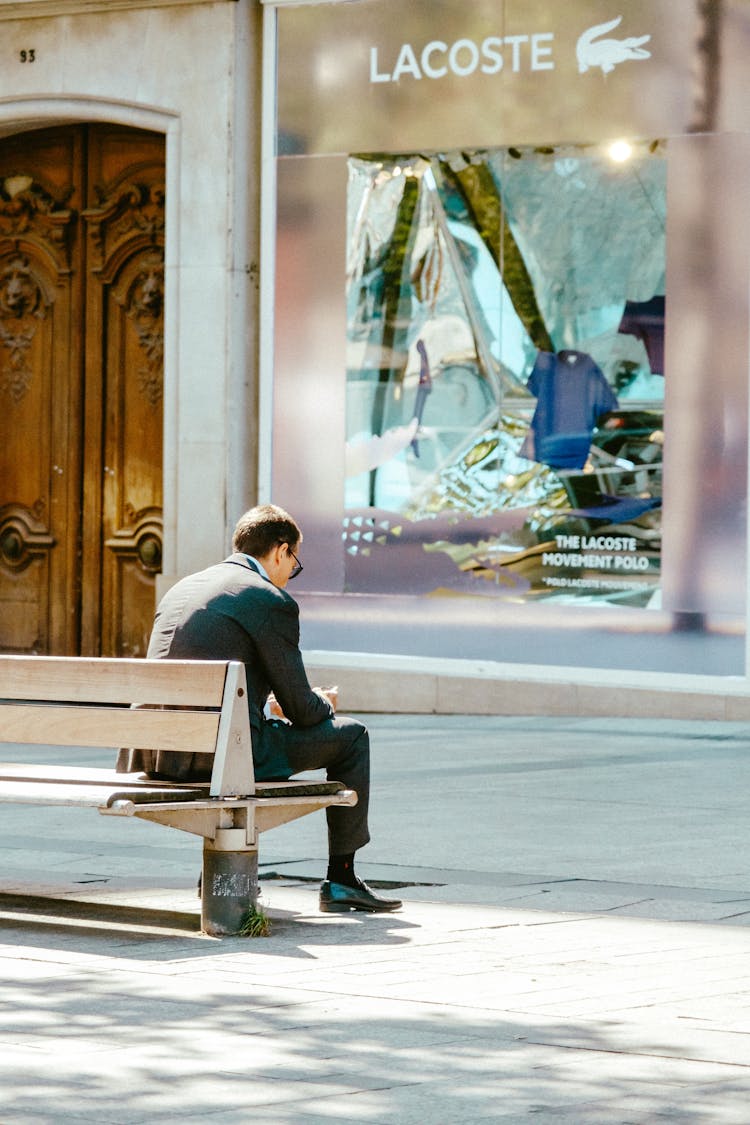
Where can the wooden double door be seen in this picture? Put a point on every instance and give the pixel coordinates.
(81, 364)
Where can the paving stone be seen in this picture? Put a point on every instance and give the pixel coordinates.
(579, 955)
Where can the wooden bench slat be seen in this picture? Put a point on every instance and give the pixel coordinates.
(82, 775)
(38, 793)
(197, 683)
(13, 773)
(41, 793)
(50, 725)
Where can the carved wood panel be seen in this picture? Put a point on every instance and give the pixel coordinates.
(40, 392)
(125, 299)
(81, 294)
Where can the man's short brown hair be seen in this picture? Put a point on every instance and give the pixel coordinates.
(262, 528)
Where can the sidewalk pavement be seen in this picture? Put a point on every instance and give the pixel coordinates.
(577, 951)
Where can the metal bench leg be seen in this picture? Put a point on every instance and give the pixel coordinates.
(229, 882)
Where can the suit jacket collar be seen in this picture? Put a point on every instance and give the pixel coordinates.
(238, 559)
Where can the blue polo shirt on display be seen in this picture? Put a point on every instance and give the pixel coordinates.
(572, 393)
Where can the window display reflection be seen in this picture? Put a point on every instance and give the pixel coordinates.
(505, 373)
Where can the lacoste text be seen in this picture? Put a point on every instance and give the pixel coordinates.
(464, 57)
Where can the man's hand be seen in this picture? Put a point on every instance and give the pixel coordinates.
(272, 709)
(329, 693)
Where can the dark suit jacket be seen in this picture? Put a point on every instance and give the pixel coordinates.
(230, 612)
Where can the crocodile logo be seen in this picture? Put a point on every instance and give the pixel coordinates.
(592, 51)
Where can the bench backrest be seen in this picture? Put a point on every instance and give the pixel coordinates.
(186, 706)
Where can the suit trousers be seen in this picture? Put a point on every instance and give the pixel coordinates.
(340, 746)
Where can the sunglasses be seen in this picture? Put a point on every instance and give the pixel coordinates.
(298, 567)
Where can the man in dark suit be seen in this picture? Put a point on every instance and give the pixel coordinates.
(240, 610)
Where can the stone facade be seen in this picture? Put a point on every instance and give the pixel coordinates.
(191, 71)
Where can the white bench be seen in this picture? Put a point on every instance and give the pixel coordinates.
(181, 706)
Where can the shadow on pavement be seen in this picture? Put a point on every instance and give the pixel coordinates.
(91, 928)
(233, 1055)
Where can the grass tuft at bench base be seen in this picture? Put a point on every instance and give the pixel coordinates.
(255, 923)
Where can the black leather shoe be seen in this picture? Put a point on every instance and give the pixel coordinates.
(336, 898)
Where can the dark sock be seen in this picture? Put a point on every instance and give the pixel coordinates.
(341, 870)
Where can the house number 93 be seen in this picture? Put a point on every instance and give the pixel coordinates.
(27, 55)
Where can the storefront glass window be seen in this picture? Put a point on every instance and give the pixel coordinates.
(505, 373)
(510, 371)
